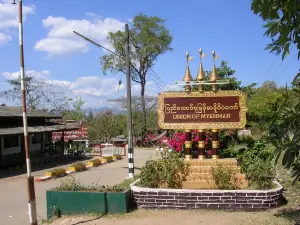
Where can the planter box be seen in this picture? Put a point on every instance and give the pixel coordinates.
(69, 203)
(160, 198)
(77, 168)
(55, 173)
(96, 162)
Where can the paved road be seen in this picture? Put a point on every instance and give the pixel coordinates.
(13, 191)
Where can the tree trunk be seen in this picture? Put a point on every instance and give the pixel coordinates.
(144, 111)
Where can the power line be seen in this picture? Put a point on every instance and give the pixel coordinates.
(156, 78)
(276, 67)
(159, 79)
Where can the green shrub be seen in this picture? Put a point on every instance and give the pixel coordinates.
(232, 151)
(170, 171)
(224, 177)
(256, 163)
(261, 173)
(71, 184)
(151, 174)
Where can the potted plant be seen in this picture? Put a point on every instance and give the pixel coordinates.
(71, 197)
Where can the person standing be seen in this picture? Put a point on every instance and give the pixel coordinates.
(157, 150)
(162, 151)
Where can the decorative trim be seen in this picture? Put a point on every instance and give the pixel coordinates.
(188, 144)
(215, 144)
(201, 144)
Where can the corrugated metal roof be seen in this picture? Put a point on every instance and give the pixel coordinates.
(37, 129)
(11, 111)
(116, 139)
(159, 136)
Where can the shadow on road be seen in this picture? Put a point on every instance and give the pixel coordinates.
(126, 167)
(290, 214)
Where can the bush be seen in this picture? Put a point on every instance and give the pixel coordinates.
(168, 171)
(224, 177)
(261, 173)
(71, 184)
(255, 162)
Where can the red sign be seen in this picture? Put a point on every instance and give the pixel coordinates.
(207, 110)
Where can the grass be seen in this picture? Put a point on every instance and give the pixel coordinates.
(126, 183)
(71, 184)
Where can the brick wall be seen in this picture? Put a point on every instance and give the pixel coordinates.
(195, 199)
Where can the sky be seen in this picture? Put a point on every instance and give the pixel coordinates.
(53, 54)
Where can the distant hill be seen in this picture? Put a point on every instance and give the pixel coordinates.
(100, 110)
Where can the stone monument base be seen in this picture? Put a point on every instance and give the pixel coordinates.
(200, 176)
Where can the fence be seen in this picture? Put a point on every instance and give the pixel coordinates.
(107, 149)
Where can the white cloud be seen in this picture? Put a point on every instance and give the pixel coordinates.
(91, 88)
(39, 76)
(61, 40)
(150, 89)
(9, 18)
(4, 38)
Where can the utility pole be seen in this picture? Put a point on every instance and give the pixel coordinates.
(30, 179)
(129, 116)
(128, 80)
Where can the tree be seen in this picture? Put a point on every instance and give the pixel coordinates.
(90, 116)
(261, 105)
(76, 113)
(106, 126)
(39, 95)
(149, 38)
(285, 133)
(138, 115)
(226, 72)
(270, 85)
(282, 23)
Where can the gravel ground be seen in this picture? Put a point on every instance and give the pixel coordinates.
(176, 217)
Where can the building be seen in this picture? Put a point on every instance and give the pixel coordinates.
(81, 133)
(40, 127)
(78, 137)
(119, 141)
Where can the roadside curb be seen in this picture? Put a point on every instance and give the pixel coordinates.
(39, 179)
(68, 172)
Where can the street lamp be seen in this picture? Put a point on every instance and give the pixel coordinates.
(30, 179)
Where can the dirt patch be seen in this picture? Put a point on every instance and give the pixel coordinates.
(176, 217)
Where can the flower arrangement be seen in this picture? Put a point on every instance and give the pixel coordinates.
(177, 140)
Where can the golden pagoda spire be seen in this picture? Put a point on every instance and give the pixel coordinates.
(201, 75)
(187, 76)
(214, 74)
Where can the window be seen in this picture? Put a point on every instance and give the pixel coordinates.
(11, 141)
(36, 138)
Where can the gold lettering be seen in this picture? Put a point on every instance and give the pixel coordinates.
(167, 108)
